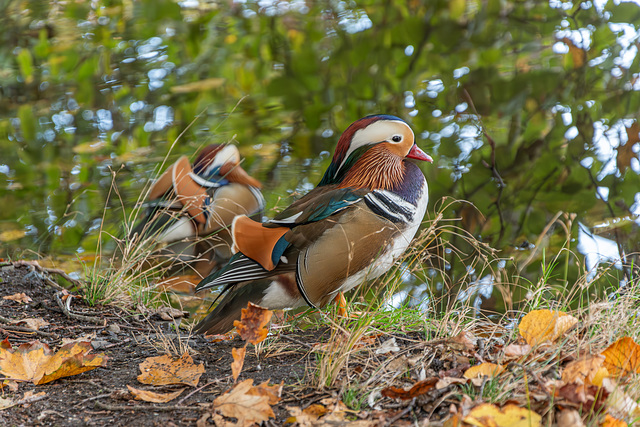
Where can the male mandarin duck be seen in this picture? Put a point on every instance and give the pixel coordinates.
(353, 226)
(192, 201)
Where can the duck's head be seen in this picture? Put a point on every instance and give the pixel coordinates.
(388, 136)
(223, 160)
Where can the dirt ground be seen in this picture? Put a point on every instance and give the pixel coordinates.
(100, 397)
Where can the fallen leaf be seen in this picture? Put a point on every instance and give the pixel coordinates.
(31, 323)
(333, 414)
(334, 405)
(163, 370)
(421, 387)
(516, 351)
(389, 346)
(36, 362)
(151, 396)
(509, 416)
(219, 421)
(238, 361)
(622, 357)
(307, 417)
(251, 326)
(240, 403)
(21, 297)
(31, 395)
(272, 392)
(28, 397)
(610, 421)
(541, 326)
(569, 418)
(455, 420)
(463, 341)
(447, 381)
(484, 369)
(6, 403)
(582, 395)
(583, 370)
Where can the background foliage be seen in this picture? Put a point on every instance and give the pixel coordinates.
(529, 108)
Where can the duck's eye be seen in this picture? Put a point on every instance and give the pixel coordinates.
(396, 138)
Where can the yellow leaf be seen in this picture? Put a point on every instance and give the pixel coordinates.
(599, 376)
(509, 416)
(163, 370)
(35, 362)
(540, 326)
(484, 369)
(241, 404)
(251, 326)
(9, 235)
(21, 297)
(151, 396)
(238, 361)
(622, 357)
(609, 421)
(583, 371)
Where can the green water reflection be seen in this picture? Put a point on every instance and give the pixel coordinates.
(94, 96)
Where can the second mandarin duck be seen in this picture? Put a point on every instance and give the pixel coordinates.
(192, 201)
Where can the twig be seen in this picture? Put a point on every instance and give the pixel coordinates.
(41, 269)
(181, 401)
(26, 400)
(146, 408)
(23, 329)
(493, 167)
(100, 396)
(67, 311)
(124, 341)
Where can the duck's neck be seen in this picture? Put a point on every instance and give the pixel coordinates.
(377, 169)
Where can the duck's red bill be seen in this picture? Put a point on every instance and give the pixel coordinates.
(418, 154)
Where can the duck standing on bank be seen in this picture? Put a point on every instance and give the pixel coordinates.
(353, 226)
(189, 202)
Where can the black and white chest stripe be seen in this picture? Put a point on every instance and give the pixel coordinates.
(390, 206)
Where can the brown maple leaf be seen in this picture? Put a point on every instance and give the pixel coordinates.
(251, 326)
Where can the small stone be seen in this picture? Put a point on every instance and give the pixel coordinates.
(113, 328)
(99, 344)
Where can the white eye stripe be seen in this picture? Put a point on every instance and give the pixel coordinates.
(376, 132)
